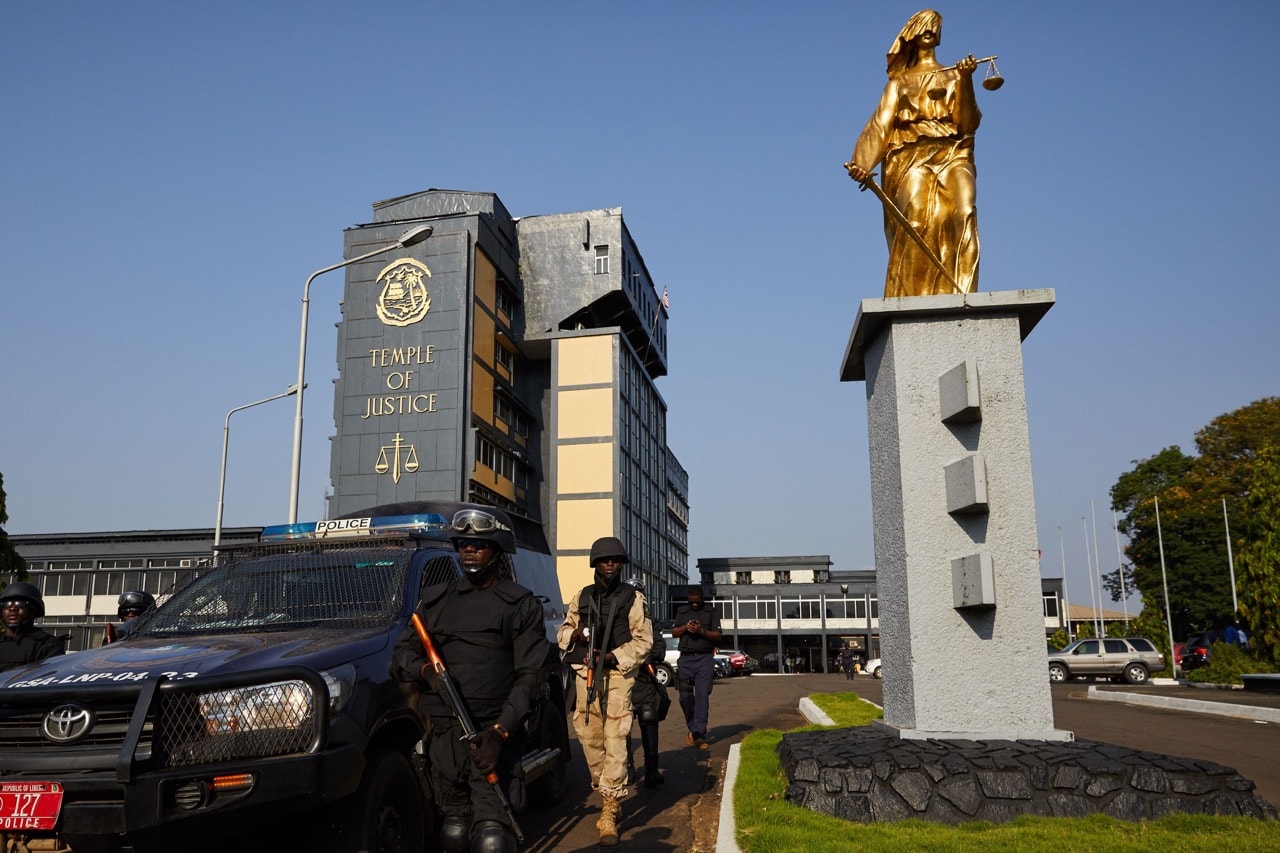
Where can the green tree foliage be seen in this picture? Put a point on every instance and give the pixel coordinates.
(1190, 490)
(1150, 624)
(11, 563)
(1258, 563)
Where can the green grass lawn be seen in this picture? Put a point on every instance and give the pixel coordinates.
(767, 823)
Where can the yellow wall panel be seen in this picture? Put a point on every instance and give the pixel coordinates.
(486, 280)
(584, 468)
(483, 337)
(574, 574)
(584, 361)
(581, 522)
(482, 394)
(585, 413)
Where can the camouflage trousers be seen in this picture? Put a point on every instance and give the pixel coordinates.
(602, 731)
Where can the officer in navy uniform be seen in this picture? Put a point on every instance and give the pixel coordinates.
(490, 633)
(697, 627)
(22, 642)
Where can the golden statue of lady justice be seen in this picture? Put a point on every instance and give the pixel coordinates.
(922, 135)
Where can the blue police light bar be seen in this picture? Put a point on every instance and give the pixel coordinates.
(430, 522)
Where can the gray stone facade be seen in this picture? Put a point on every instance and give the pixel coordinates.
(864, 774)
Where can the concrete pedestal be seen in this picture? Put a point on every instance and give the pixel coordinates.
(961, 613)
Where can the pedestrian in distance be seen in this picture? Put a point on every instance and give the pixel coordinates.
(488, 631)
(606, 637)
(129, 606)
(21, 642)
(697, 627)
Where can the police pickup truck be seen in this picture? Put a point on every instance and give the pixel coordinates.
(258, 695)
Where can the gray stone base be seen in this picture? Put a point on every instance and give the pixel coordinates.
(864, 774)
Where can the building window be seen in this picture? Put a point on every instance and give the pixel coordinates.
(64, 583)
(758, 608)
(502, 356)
(742, 577)
(1051, 605)
(506, 302)
(801, 608)
(602, 260)
(782, 577)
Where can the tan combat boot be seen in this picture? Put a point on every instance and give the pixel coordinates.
(607, 823)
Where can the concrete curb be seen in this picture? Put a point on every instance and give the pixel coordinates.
(1195, 706)
(814, 714)
(726, 835)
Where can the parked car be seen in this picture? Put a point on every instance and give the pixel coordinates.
(872, 668)
(740, 662)
(1130, 658)
(1195, 651)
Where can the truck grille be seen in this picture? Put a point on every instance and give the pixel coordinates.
(20, 728)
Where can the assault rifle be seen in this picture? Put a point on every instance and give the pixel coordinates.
(597, 654)
(469, 732)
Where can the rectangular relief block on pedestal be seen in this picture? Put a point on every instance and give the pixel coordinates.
(973, 581)
(959, 394)
(967, 485)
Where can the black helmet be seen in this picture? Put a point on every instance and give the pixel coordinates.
(484, 523)
(134, 601)
(608, 546)
(25, 592)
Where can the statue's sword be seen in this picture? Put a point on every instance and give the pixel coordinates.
(901, 219)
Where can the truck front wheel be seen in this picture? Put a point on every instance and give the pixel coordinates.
(387, 813)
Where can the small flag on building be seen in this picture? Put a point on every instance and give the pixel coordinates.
(666, 300)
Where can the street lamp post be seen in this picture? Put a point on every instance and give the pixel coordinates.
(226, 434)
(411, 237)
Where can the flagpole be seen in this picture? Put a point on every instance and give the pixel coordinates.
(1231, 563)
(1097, 561)
(1066, 598)
(1093, 595)
(1124, 592)
(1164, 577)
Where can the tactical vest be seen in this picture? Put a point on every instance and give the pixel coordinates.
(593, 612)
(475, 633)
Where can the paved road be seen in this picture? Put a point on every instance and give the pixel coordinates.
(683, 815)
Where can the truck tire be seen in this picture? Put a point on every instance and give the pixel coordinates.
(387, 813)
(549, 789)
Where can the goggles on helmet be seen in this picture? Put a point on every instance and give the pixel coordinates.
(475, 521)
(15, 602)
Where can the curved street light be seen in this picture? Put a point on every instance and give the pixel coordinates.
(226, 434)
(409, 238)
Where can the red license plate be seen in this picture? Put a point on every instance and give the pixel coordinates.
(29, 805)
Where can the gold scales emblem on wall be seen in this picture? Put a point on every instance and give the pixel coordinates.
(404, 299)
(402, 460)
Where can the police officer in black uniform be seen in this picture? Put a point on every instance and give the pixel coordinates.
(490, 633)
(129, 606)
(22, 642)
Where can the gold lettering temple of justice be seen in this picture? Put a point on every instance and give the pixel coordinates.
(921, 135)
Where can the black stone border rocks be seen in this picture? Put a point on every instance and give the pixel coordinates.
(865, 774)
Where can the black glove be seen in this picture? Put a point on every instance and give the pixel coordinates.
(485, 749)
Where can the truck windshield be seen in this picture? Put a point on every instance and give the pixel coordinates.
(288, 588)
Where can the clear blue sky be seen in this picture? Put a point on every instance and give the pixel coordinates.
(172, 172)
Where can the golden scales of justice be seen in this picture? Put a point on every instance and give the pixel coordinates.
(407, 465)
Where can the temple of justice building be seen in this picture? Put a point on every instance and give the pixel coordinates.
(505, 361)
